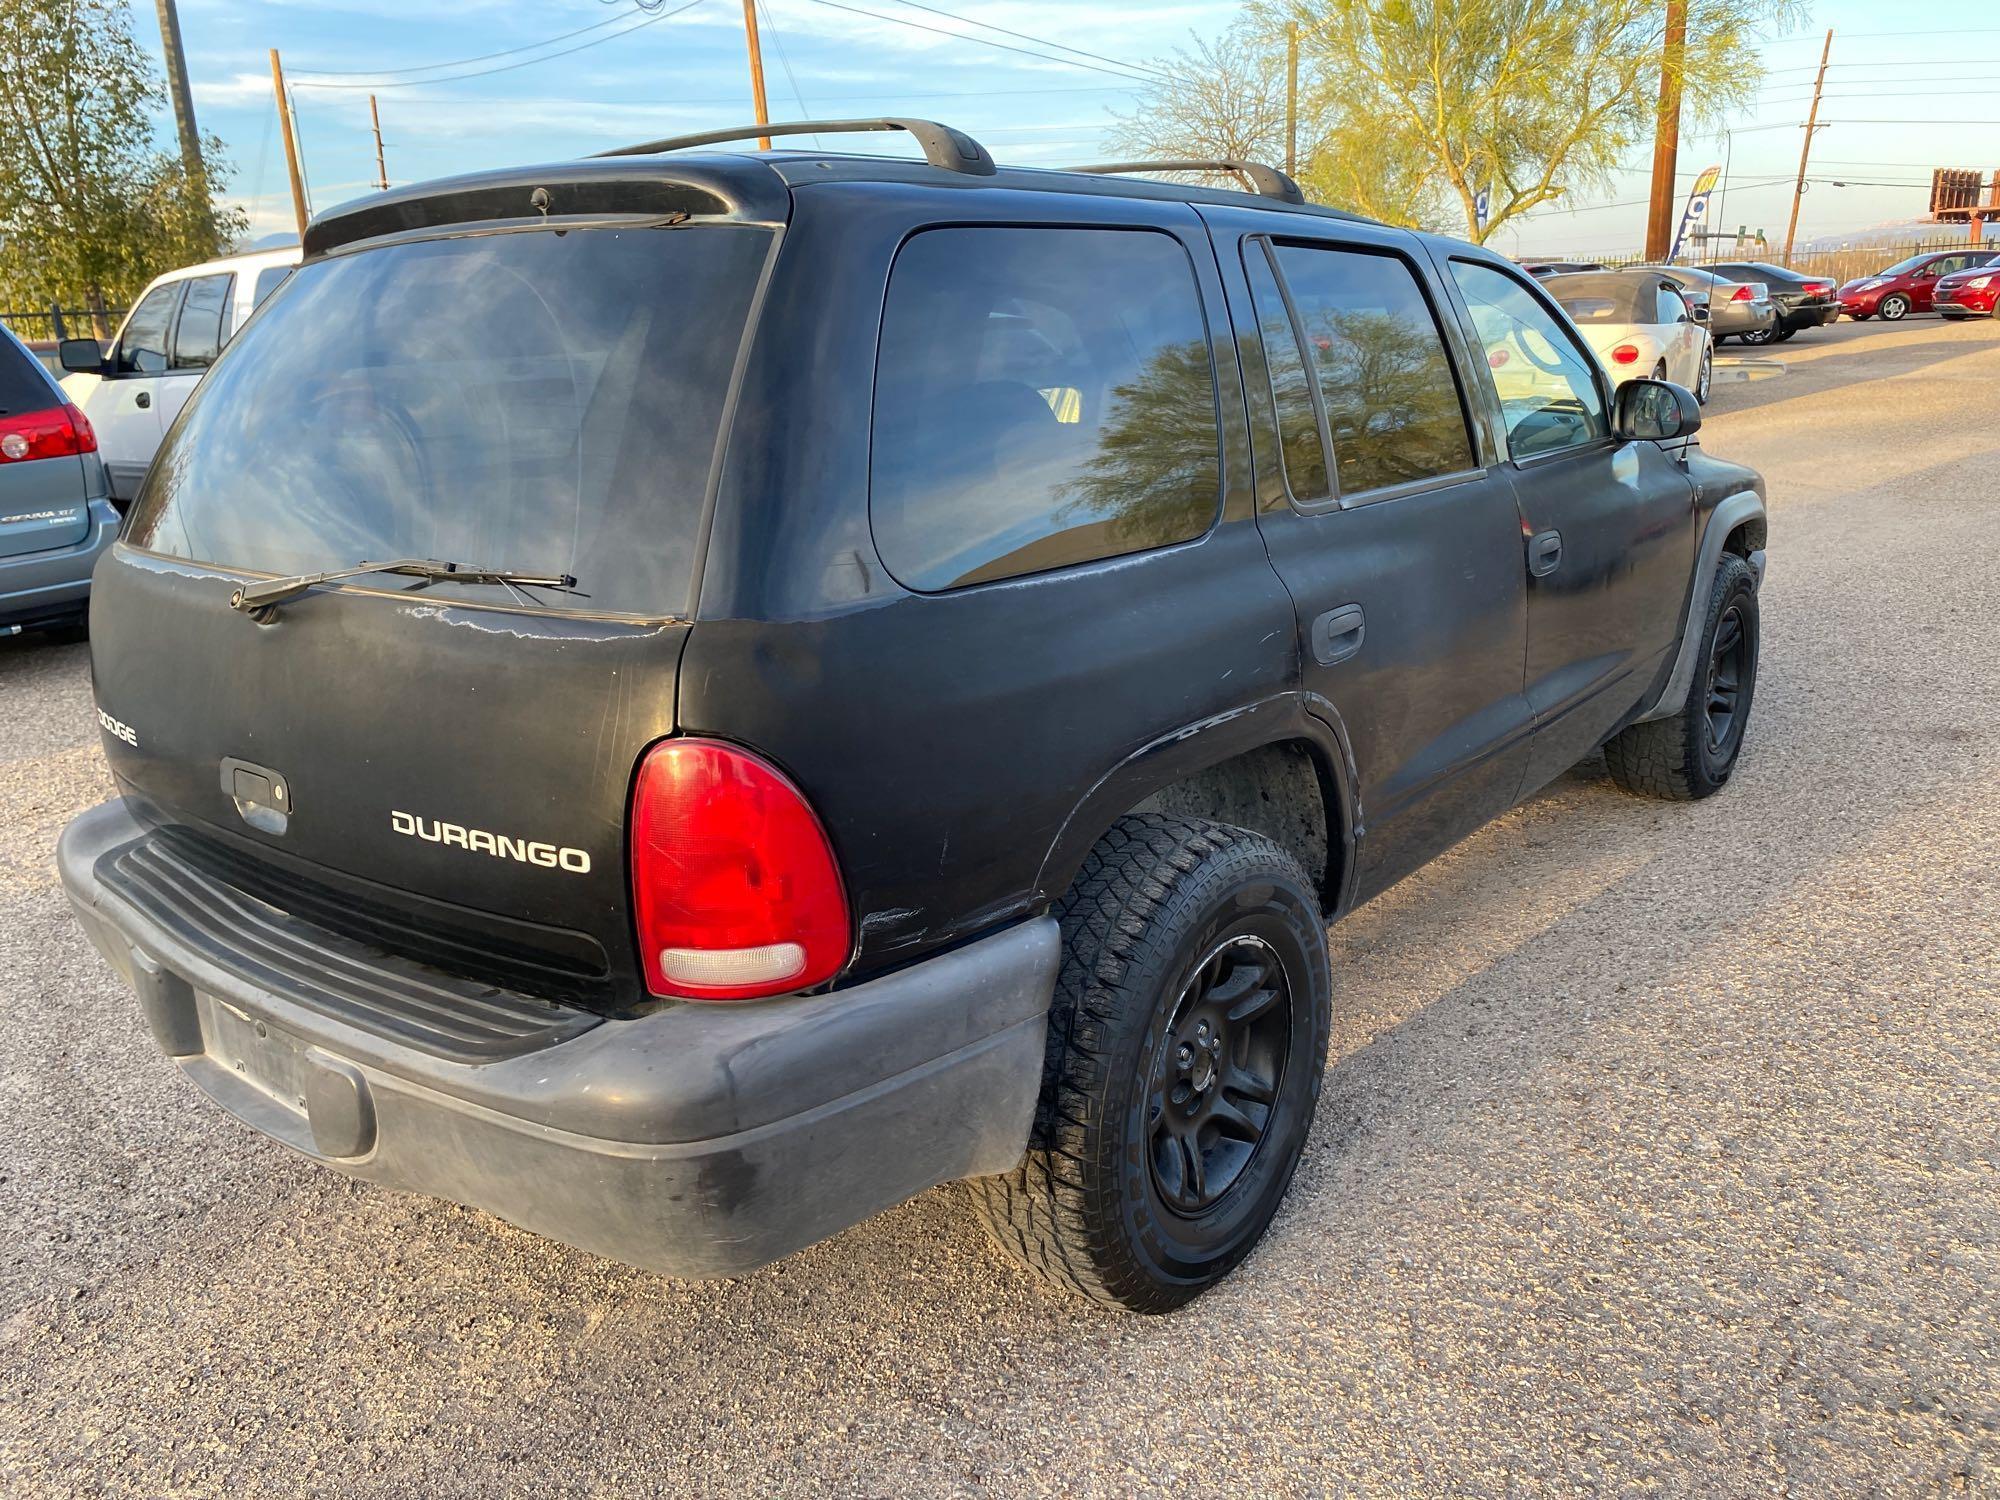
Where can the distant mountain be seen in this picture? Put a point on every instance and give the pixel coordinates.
(1899, 232)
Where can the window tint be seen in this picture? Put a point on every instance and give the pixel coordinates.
(1672, 309)
(204, 322)
(1547, 385)
(22, 387)
(1043, 397)
(537, 401)
(268, 281)
(1392, 406)
(142, 343)
(1304, 456)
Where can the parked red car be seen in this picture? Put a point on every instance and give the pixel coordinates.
(1969, 293)
(1909, 285)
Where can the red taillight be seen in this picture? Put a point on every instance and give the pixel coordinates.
(1625, 354)
(57, 432)
(1818, 288)
(1743, 294)
(734, 888)
(1496, 359)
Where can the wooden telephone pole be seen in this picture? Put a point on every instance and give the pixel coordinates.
(1667, 135)
(756, 71)
(291, 143)
(1805, 151)
(381, 165)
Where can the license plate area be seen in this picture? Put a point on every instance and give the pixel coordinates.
(260, 1054)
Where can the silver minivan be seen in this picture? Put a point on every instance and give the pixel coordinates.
(56, 515)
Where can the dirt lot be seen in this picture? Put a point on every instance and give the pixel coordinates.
(1658, 1149)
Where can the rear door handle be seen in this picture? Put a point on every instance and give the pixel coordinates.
(1545, 551)
(1337, 634)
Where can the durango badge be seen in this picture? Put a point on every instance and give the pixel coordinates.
(499, 845)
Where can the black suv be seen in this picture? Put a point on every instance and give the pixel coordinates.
(685, 699)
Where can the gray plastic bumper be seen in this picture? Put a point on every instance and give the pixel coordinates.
(48, 585)
(698, 1140)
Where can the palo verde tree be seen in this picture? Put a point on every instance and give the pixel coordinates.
(1226, 100)
(90, 208)
(1528, 100)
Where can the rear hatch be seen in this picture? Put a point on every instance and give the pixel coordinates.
(43, 502)
(438, 768)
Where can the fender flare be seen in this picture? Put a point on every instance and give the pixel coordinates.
(1745, 505)
(1193, 748)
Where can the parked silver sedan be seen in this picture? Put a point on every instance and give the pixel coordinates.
(1734, 307)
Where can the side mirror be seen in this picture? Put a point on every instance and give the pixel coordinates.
(1657, 411)
(1700, 311)
(83, 356)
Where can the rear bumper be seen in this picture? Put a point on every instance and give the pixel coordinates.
(44, 587)
(693, 1141)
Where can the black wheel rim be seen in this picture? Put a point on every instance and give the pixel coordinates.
(1216, 1080)
(1727, 661)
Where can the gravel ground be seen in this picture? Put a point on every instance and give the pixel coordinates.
(1657, 1153)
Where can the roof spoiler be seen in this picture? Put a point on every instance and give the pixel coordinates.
(953, 150)
(1266, 181)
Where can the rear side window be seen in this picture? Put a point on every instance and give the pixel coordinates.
(142, 343)
(535, 401)
(1043, 397)
(204, 322)
(1303, 452)
(1392, 404)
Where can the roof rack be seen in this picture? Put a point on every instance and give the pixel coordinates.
(953, 150)
(1268, 182)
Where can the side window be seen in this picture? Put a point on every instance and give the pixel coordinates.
(1392, 406)
(1672, 308)
(268, 281)
(204, 322)
(142, 342)
(1303, 454)
(1546, 383)
(1043, 397)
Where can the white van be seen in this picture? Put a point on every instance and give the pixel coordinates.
(171, 336)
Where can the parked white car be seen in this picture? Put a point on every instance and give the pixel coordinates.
(1639, 323)
(171, 336)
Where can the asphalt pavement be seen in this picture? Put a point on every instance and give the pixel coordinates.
(1657, 1153)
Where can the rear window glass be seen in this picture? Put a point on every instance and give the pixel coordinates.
(536, 402)
(1043, 397)
(21, 385)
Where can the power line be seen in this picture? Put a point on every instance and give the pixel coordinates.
(456, 101)
(1022, 36)
(651, 20)
(459, 62)
(959, 36)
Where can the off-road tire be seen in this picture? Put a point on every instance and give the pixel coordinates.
(1676, 758)
(1155, 901)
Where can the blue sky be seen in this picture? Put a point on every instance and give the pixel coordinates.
(1897, 72)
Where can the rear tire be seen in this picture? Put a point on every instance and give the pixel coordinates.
(1691, 754)
(1187, 1038)
(1787, 332)
(1705, 378)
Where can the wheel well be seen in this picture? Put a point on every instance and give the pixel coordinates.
(1746, 538)
(1280, 790)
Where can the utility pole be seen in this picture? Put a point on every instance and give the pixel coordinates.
(1812, 124)
(756, 71)
(381, 165)
(1667, 134)
(291, 143)
(1292, 100)
(183, 101)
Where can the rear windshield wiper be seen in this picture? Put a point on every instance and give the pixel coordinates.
(256, 598)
